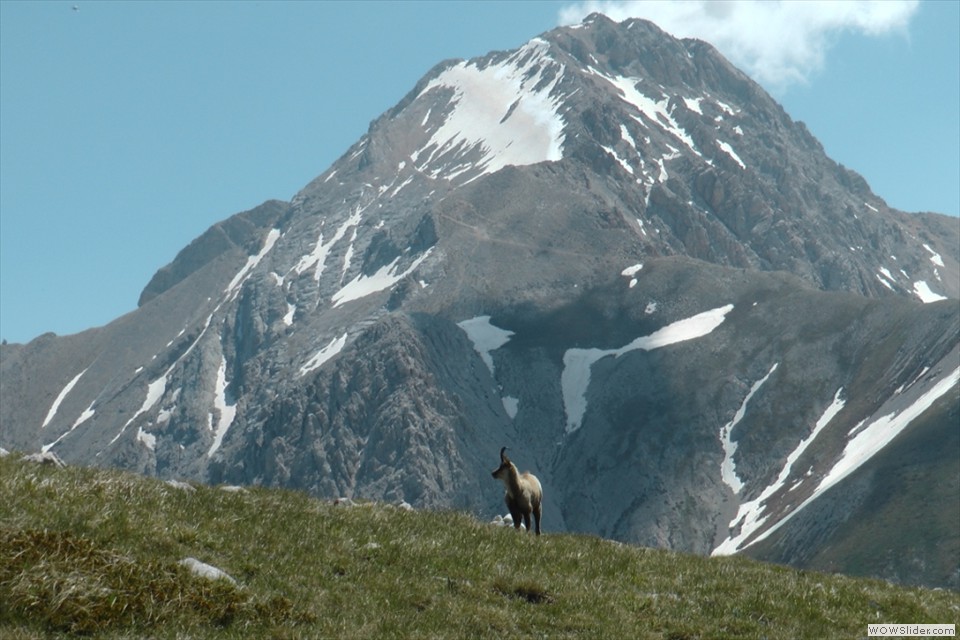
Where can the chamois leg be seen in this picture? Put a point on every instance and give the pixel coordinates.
(536, 517)
(526, 520)
(517, 516)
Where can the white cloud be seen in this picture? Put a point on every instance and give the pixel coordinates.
(778, 43)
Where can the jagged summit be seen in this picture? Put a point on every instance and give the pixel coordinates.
(724, 174)
(609, 250)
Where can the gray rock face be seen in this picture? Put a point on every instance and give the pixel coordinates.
(608, 250)
(242, 231)
(400, 426)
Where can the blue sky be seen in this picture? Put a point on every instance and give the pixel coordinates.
(128, 128)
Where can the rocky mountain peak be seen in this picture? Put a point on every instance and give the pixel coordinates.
(723, 173)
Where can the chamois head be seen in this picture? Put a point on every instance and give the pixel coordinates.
(523, 492)
(502, 472)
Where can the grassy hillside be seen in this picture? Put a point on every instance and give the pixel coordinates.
(97, 552)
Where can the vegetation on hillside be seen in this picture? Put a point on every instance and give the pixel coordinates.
(86, 551)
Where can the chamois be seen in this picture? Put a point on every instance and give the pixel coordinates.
(523, 493)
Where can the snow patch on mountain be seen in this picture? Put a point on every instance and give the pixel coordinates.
(727, 149)
(728, 468)
(631, 272)
(935, 257)
(884, 281)
(922, 290)
(397, 189)
(317, 259)
(288, 316)
(486, 337)
(60, 398)
(155, 391)
(625, 135)
(252, 262)
(84, 416)
(508, 111)
(146, 438)
(385, 277)
(333, 348)
(694, 104)
(875, 436)
(511, 405)
(620, 161)
(657, 112)
(663, 176)
(348, 254)
(867, 442)
(886, 277)
(575, 379)
(727, 109)
(157, 388)
(224, 406)
(751, 514)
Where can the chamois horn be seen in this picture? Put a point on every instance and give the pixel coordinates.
(503, 458)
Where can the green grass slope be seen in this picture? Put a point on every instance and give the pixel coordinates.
(85, 551)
